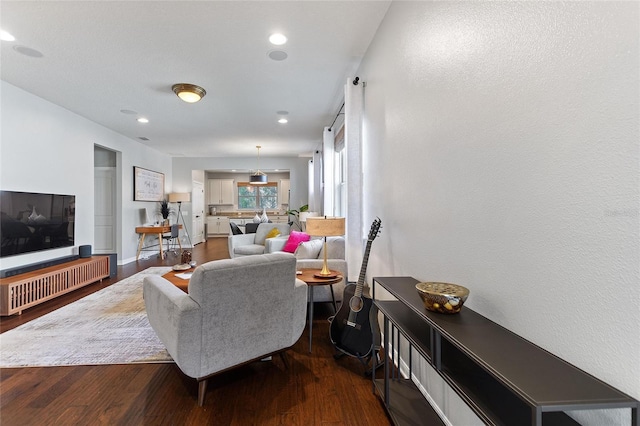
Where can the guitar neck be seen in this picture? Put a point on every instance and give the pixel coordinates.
(363, 270)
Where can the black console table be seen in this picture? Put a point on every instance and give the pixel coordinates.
(503, 378)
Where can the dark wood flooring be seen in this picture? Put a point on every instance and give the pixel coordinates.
(316, 389)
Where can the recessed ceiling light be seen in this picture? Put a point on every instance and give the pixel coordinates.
(5, 36)
(278, 39)
(143, 120)
(278, 55)
(27, 51)
(283, 121)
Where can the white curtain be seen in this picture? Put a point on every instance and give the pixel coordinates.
(328, 174)
(354, 111)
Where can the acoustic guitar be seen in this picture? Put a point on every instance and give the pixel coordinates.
(351, 328)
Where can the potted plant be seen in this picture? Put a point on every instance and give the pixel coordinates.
(165, 211)
(296, 216)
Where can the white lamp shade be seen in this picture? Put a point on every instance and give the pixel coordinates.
(325, 226)
(179, 197)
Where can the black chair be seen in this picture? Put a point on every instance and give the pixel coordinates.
(250, 227)
(235, 230)
(170, 238)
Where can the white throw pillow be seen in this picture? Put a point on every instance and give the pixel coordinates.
(335, 248)
(309, 249)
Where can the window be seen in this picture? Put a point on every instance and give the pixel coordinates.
(257, 197)
(340, 195)
(340, 175)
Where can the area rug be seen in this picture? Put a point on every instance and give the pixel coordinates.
(109, 326)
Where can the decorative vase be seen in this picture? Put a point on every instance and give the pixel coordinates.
(264, 218)
(256, 218)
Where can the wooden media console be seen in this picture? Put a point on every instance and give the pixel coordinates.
(23, 291)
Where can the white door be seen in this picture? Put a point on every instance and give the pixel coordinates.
(197, 204)
(104, 210)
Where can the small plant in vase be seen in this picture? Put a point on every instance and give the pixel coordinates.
(296, 216)
(165, 211)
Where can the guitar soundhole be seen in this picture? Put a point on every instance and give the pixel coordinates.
(355, 304)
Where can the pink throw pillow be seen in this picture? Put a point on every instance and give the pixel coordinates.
(295, 239)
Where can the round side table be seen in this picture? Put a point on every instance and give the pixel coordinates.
(309, 276)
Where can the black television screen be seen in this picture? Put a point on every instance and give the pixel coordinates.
(33, 222)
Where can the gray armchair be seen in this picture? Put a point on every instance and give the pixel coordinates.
(236, 311)
(257, 243)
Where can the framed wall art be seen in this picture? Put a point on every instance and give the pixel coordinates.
(147, 185)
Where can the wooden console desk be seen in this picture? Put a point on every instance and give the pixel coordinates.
(503, 378)
(154, 230)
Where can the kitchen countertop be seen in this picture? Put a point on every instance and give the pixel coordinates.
(235, 215)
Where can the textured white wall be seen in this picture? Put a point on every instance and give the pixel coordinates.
(46, 148)
(501, 152)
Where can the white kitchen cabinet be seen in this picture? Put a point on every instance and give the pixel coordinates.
(279, 218)
(221, 191)
(217, 226)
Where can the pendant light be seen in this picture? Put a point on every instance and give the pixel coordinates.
(258, 178)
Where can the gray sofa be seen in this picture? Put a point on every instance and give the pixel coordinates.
(311, 255)
(257, 243)
(236, 311)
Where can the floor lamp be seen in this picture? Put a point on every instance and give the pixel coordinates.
(179, 197)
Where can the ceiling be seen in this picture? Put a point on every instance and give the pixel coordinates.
(99, 58)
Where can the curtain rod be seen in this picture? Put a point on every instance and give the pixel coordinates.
(337, 115)
(355, 83)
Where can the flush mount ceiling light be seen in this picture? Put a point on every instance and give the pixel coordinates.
(283, 121)
(258, 178)
(189, 92)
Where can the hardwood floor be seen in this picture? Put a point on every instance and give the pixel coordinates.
(316, 389)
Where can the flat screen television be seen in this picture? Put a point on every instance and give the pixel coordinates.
(32, 222)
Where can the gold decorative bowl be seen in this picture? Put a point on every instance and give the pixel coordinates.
(442, 297)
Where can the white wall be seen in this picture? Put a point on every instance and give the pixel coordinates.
(501, 150)
(46, 148)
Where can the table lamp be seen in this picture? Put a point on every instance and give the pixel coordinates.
(325, 227)
(303, 219)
